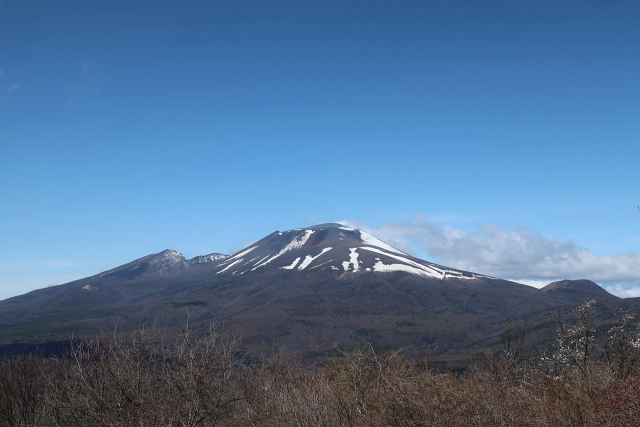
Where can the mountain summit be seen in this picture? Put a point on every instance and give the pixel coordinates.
(332, 246)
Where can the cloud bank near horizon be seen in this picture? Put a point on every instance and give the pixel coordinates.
(521, 255)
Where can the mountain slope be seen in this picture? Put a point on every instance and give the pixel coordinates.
(109, 289)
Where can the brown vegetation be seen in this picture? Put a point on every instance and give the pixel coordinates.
(201, 380)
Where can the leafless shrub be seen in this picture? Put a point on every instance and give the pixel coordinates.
(284, 395)
(622, 349)
(22, 390)
(108, 381)
(199, 380)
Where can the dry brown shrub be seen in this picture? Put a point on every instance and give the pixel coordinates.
(199, 380)
(620, 404)
(285, 395)
(110, 381)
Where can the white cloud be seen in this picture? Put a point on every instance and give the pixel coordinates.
(14, 86)
(1, 72)
(520, 255)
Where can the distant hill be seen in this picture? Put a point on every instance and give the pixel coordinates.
(578, 290)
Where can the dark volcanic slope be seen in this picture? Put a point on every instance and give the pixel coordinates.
(300, 290)
(109, 289)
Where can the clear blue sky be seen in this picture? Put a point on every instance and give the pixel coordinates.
(129, 127)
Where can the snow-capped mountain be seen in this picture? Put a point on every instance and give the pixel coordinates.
(331, 246)
(320, 247)
(303, 290)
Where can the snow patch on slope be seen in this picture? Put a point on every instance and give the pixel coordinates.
(237, 256)
(321, 264)
(309, 259)
(416, 268)
(294, 244)
(257, 264)
(293, 264)
(243, 252)
(353, 260)
(431, 271)
(383, 268)
(370, 240)
(230, 265)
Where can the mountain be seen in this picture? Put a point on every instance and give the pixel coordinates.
(332, 246)
(578, 290)
(299, 292)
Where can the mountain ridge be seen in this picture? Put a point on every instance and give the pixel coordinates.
(162, 263)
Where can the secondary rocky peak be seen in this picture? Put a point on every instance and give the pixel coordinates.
(167, 261)
(203, 259)
(171, 260)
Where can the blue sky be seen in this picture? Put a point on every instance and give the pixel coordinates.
(498, 135)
